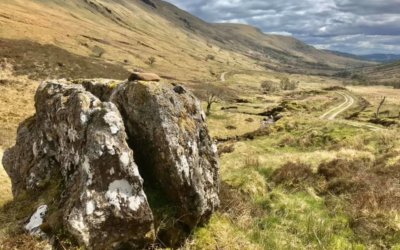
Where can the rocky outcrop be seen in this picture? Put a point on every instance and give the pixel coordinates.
(99, 145)
(81, 139)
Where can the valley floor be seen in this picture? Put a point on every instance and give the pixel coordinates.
(321, 177)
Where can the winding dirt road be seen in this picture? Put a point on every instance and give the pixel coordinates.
(333, 113)
(349, 101)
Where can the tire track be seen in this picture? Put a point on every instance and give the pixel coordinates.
(349, 101)
(333, 113)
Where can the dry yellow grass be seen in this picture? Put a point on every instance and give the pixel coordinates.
(374, 94)
(16, 103)
(311, 82)
(5, 184)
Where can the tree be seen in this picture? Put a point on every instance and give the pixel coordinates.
(270, 86)
(378, 110)
(211, 99)
(284, 84)
(287, 84)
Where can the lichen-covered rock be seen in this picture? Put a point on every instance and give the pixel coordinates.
(82, 140)
(167, 130)
(36, 220)
(90, 140)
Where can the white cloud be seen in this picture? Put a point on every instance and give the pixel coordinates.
(282, 33)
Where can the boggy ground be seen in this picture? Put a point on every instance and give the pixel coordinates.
(301, 183)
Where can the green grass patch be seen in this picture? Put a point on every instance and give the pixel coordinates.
(221, 233)
(301, 221)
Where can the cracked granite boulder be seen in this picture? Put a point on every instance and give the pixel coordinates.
(167, 130)
(91, 140)
(79, 142)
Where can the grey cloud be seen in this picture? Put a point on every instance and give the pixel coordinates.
(373, 25)
(369, 6)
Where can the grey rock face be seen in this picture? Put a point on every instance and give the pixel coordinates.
(76, 136)
(96, 143)
(167, 130)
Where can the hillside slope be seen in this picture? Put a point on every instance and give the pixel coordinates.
(282, 49)
(128, 33)
(385, 73)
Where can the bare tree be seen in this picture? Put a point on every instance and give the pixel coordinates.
(212, 98)
(378, 110)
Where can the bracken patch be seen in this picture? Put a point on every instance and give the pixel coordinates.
(372, 195)
(293, 175)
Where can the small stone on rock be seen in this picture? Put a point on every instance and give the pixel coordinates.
(138, 76)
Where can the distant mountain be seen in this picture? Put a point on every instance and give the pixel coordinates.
(381, 57)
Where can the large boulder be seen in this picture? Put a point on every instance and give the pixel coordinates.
(167, 130)
(82, 141)
(96, 142)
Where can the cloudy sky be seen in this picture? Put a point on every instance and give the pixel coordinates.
(354, 26)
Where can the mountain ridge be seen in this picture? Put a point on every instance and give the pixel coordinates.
(127, 33)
